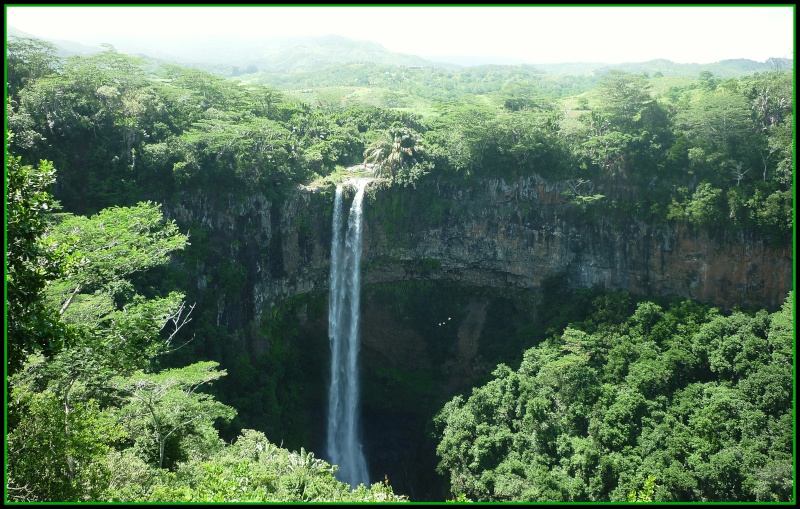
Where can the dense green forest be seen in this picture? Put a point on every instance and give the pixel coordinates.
(111, 392)
(662, 404)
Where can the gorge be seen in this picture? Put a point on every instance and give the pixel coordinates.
(452, 278)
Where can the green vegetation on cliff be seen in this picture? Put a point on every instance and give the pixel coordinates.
(711, 152)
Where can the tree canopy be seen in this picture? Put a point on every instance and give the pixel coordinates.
(676, 404)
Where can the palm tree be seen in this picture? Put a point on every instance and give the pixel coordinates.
(397, 148)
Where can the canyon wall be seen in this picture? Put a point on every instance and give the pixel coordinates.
(493, 234)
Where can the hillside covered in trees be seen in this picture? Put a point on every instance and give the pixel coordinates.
(123, 383)
(676, 404)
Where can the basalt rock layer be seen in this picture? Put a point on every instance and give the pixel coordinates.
(492, 234)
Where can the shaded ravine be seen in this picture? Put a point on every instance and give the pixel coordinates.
(344, 446)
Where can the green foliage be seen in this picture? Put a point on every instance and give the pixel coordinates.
(396, 150)
(685, 394)
(56, 452)
(160, 405)
(625, 99)
(64, 421)
(122, 131)
(479, 141)
(95, 293)
(246, 152)
(460, 499)
(28, 60)
(612, 395)
(423, 86)
(30, 261)
(646, 494)
(250, 470)
(702, 209)
(115, 243)
(629, 129)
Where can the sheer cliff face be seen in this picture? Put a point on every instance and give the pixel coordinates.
(494, 234)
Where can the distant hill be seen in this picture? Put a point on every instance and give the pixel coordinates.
(722, 69)
(267, 54)
(64, 48)
(272, 54)
(228, 55)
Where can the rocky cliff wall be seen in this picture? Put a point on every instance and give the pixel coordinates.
(493, 234)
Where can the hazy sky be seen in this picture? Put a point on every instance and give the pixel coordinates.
(535, 34)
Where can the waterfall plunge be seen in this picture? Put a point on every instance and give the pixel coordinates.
(344, 430)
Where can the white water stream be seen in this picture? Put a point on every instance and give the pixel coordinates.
(344, 429)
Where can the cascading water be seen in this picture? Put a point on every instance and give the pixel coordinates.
(344, 446)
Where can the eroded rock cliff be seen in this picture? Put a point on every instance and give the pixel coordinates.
(492, 234)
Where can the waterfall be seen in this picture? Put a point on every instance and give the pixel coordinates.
(344, 446)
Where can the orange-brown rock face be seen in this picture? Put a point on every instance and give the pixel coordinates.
(519, 234)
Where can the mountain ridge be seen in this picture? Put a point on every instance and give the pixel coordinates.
(308, 53)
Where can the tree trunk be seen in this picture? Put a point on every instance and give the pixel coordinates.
(67, 433)
(69, 301)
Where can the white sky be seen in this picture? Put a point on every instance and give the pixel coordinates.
(535, 34)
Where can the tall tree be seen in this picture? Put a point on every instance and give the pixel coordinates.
(397, 148)
(632, 131)
(30, 261)
(28, 60)
(106, 249)
(166, 405)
